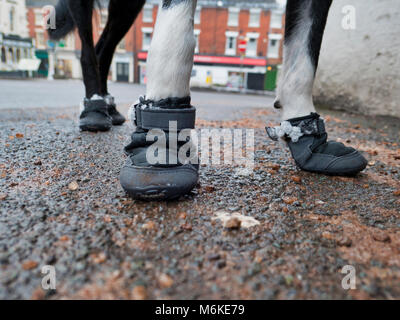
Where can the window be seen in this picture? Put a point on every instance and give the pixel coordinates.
(274, 45)
(276, 20)
(251, 50)
(10, 56)
(196, 36)
(252, 43)
(196, 50)
(197, 16)
(146, 40)
(12, 19)
(122, 45)
(103, 18)
(3, 55)
(231, 41)
(38, 18)
(18, 54)
(148, 13)
(254, 18)
(233, 17)
(40, 41)
(70, 41)
(230, 46)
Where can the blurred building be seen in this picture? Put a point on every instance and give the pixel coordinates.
(239, 43)
(222, 30)
(67, 52)
(37, 32)
(16, 48)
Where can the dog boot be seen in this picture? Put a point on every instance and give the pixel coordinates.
(94, 116)
(307, 141)
(158, 124)
(117, 118)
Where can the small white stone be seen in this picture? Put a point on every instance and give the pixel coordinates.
(246, 222)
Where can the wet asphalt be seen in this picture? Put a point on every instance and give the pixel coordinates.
(61, 205)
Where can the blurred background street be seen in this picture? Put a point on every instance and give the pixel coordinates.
(61, 203)
(20, 94)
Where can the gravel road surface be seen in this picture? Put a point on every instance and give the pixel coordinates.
(61, 205)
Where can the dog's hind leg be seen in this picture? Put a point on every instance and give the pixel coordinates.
(94, 114)
(82, 13)
(305, 24)
(304, 130)
(121, 16)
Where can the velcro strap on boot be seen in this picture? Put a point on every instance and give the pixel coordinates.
(99, 106)
(159, 118)
(293, 129)
(310, 125)
(315, 127)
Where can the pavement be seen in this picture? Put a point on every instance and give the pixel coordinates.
(61, 205)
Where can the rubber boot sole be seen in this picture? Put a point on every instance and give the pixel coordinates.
(94, 128)
(154, 193)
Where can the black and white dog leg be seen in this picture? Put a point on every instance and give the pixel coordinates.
(94, 115)
(307, 141)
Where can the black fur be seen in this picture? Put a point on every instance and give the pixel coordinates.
(167, 4)
(120, 19)
(293, 12)
(319, 14)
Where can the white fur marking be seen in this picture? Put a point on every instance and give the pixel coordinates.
(170, 60)
(81, 107)
(95, 97)
(131, 111)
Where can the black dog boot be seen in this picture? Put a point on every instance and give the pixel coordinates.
(167, 177)
(94, 116)
(312, 152)
(117, 118)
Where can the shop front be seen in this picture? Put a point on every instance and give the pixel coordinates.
(14, 49)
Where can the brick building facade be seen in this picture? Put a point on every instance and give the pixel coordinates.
(220, 27)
